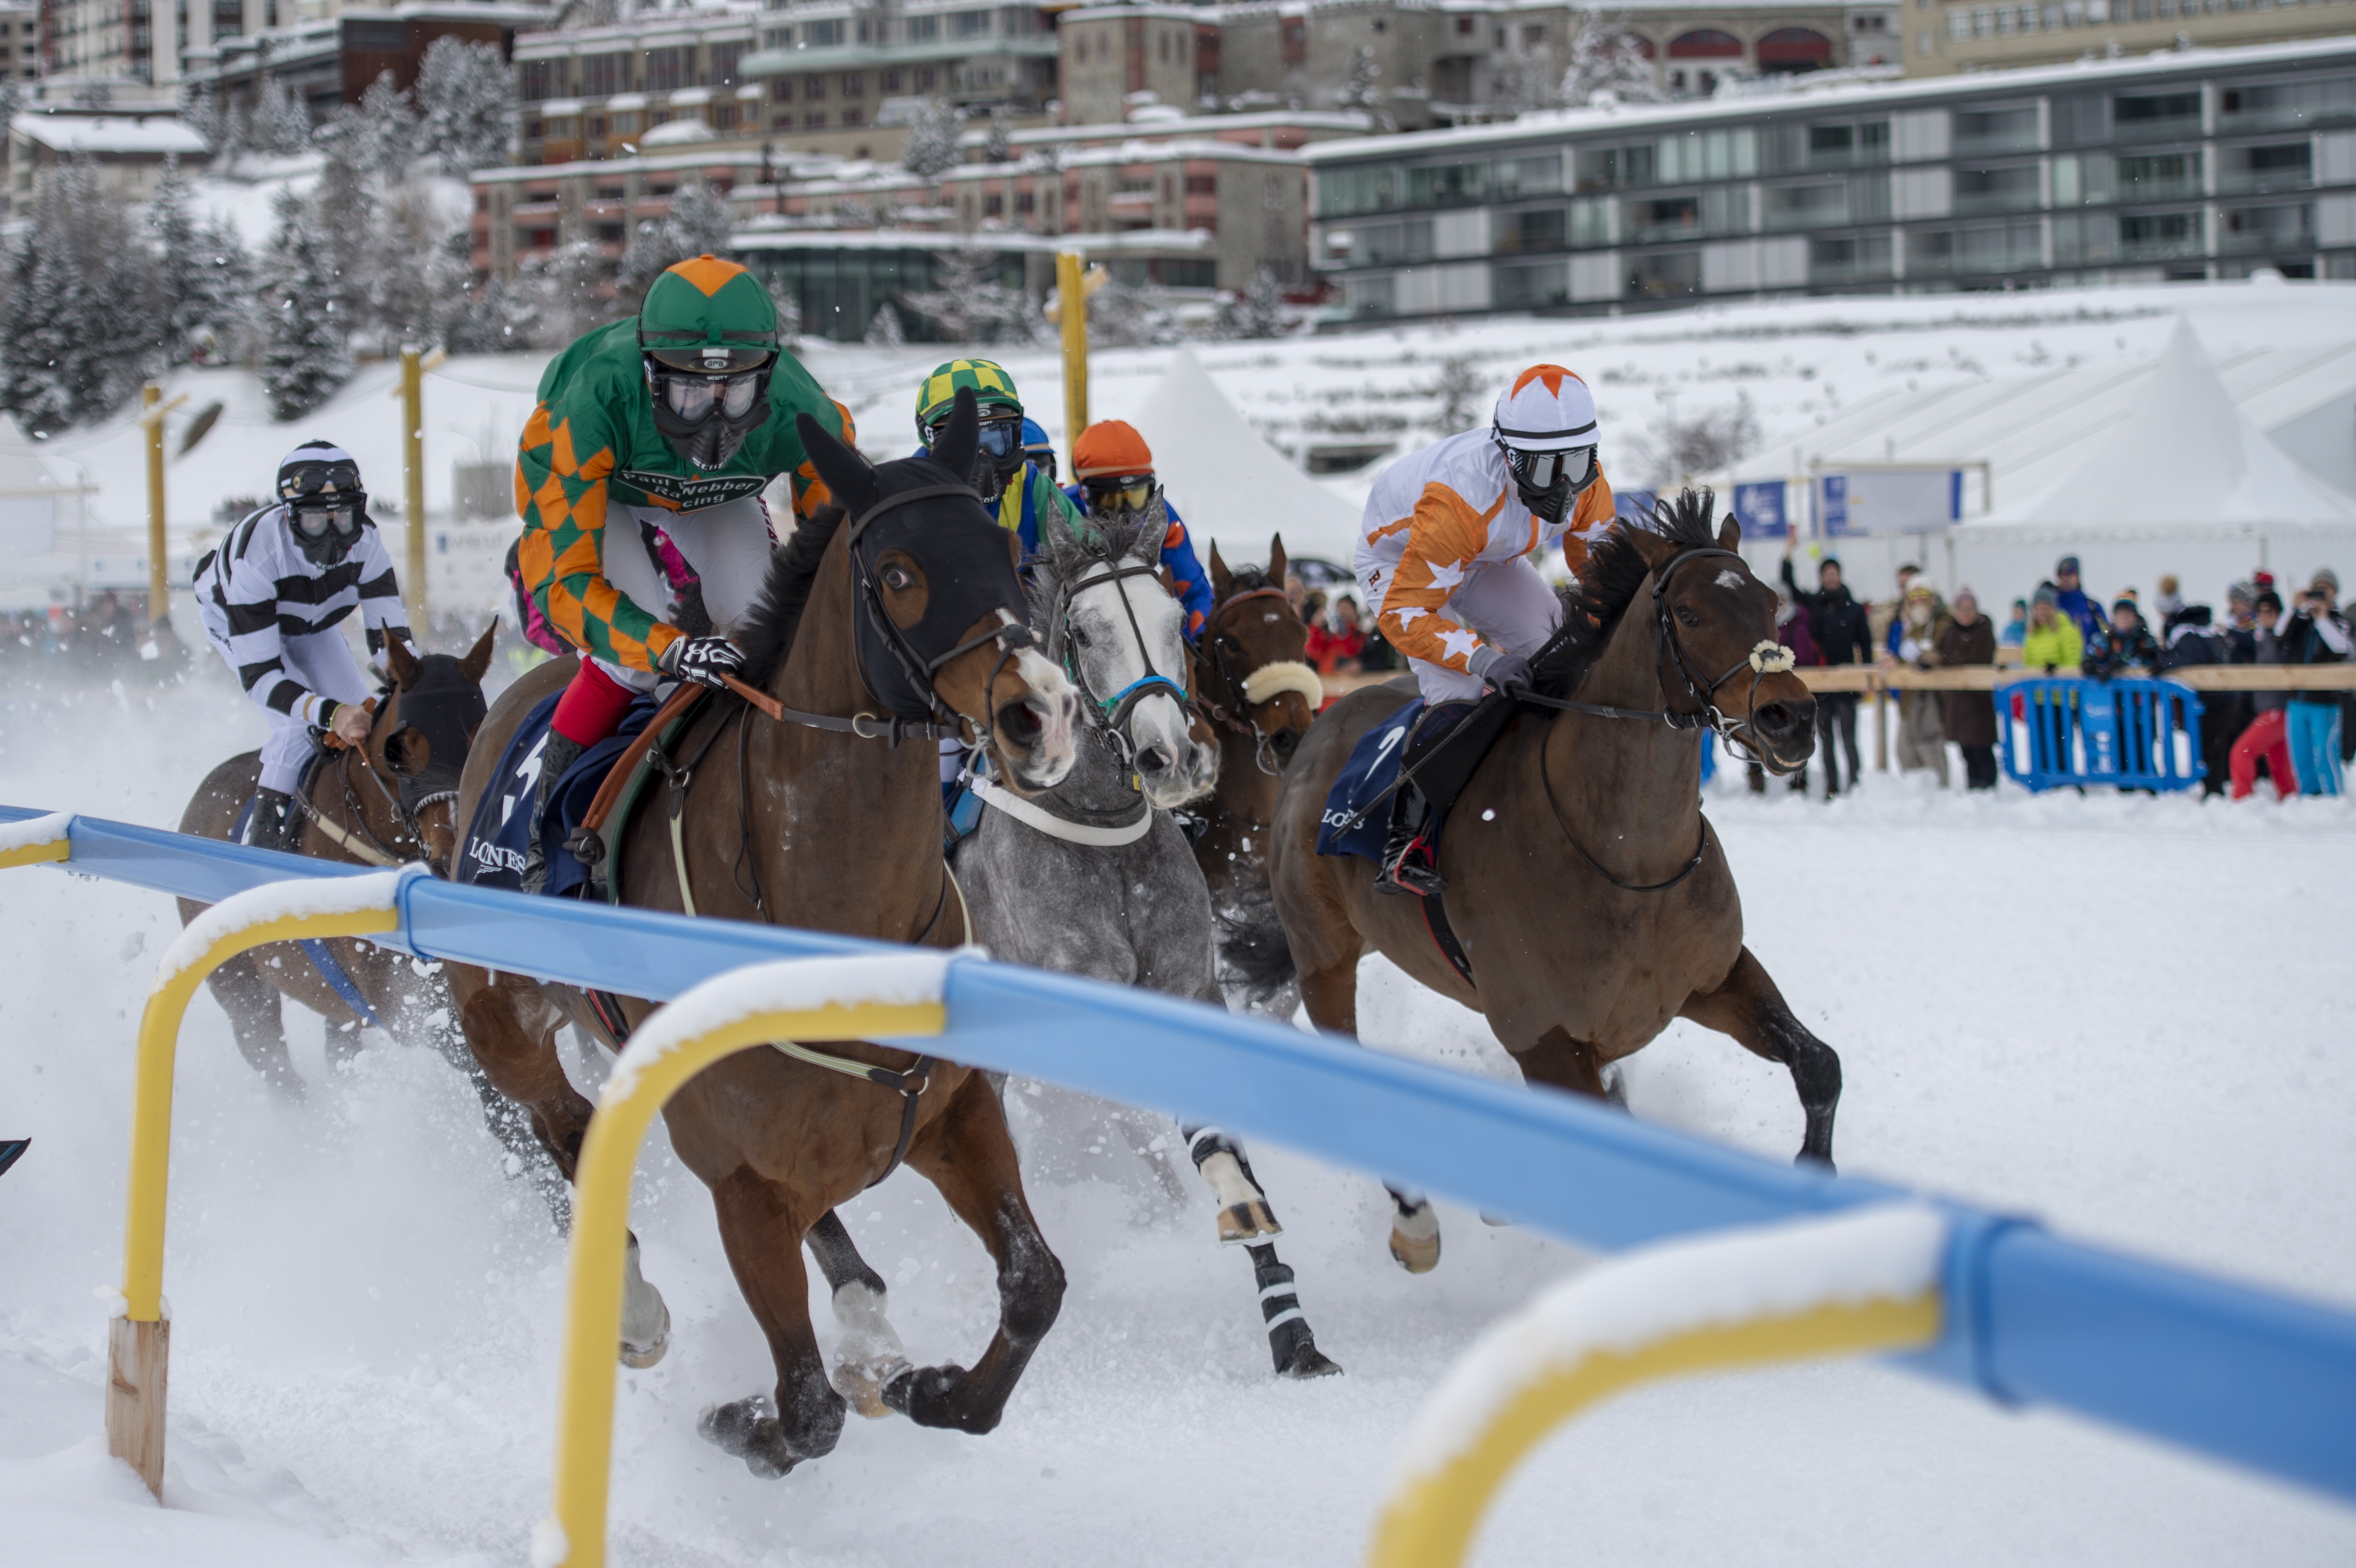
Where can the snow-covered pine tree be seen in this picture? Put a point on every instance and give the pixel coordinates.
(1257, 311)
(699, 223)
(932, 141)
(204, 113)
(884, 328)
(1605, 57)
(285, 127)
(230, 288)
(305, 358)
(388, 129)
(563, 287)
(466, 100)
(344, 210)
(179, 252)
(37, 343)
(404, 299)
(998, 144)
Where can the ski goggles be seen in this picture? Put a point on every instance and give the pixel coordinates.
(999, 440)
(319, 478)
(1134, 491)
(316, 518)
(694, 397)
(1543, 470)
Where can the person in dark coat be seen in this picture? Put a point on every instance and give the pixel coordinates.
(1968, 637)
(2191, 640)
(2126, 640)
(1837, 622)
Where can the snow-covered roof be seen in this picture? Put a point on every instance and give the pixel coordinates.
(510, 174)
(120, 135)
(1131, 152)
(1149, 241)
(1554, 124)
(1188, 125)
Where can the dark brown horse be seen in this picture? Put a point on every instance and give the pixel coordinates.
(383, 804)
(1590, 897)
(1253, 681)
(819, 827)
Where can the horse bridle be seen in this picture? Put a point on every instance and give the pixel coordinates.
(1246, 724)
(1766, 658)
(946, 723)
(1108, 715)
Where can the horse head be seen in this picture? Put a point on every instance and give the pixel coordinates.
(1252, 658)
(1114, 621)
(939, 616)
(419, 738)
(1715, 625)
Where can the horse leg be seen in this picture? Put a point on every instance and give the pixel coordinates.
(870, 1353)
(507, 1121)
(1559, 1061)
(1246, 1219)
(762, 1233)
(255, 1017)
(1747, 1005)
(1330, 995)
(968, 1155)
(511, 1031)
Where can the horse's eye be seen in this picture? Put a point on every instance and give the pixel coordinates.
(1687, 616)
(1231, 646)
(897, 580)
(1079, 638)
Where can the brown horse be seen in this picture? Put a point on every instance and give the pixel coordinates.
(1589, 895)
(1253, 681)
(913, 611)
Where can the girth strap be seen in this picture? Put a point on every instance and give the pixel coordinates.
(909, 1085)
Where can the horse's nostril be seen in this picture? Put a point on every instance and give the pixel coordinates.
(1285, 742)
(1778, 717)
(1019, 724)
(1153, 759)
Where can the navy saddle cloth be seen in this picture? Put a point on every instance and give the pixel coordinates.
(1374, 764)
(501, 831)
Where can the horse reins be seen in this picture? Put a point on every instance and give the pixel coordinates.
(1110, 712)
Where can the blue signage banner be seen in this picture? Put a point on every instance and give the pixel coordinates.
(1759, 509)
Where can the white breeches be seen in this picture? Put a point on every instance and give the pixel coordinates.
(322, 662)
(1508, 603)
(728, 546)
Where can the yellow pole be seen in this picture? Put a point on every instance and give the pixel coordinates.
(138, 1338)
(412, 498)
(1072, 317)
(650, 1072)
(158, 601)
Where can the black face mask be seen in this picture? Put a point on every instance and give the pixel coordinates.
(446, 708)
(941, 526)
(324, 535)
(1548, 481)
(708, 439)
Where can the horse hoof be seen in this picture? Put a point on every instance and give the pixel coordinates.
(1301, 1358)
(640, 1357)
(1244, 1222)
(1415, 1239)
(748, 1428)
(863, 1383)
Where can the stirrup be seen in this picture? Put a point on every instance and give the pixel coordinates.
(1407, 873)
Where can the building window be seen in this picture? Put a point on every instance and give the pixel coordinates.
(993, 206)
(924, 29)
(926, 77)
(970, 23)
(724, 63)
(604, 75)
(1202, 184)
(814, 88)
(1464, 26)
(541, 80)
(1533, 35)
(854, 84)
(1024, 202)
(853, 115)
(723, 116)
(892, 81)
(663, 71)
(782, 90)
(1295, 33)
(822, 35)
(816, 120)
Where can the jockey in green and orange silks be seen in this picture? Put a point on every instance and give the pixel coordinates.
(668, 425)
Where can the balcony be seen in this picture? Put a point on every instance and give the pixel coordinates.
(2162, 237)
(2261, 231)
(2155, 117)
(1983, 191)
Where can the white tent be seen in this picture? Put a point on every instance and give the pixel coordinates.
(1229, 485)
(2186, 459)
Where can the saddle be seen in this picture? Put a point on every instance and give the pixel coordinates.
(1367, 792)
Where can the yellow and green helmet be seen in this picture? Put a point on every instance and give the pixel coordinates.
(709, 315)
(992, 386)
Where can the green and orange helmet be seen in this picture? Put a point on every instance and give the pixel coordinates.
(1000, 454)
(708, 331)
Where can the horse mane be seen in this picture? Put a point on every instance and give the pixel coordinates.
(766, 634)
(1593, 602)
(1247, 580)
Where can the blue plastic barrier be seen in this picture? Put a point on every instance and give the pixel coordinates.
(2117, 733)
(2246, 1375)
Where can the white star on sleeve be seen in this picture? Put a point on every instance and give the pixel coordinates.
(1407, 614)
(1460, 642)
(1447, 574)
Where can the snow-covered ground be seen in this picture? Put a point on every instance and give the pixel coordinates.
(2124, 1015)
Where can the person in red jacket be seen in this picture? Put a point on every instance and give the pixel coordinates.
(1337, 637)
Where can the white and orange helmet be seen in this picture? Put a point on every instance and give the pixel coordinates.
(1545, 426)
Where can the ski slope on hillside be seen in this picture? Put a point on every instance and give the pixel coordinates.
(2122, 1015)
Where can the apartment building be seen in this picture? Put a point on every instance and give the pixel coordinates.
(1420, 63)
(20, 41)
(2205, 163)
(829, 77)
(1948, 37)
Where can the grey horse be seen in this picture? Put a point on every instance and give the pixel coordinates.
(1088, 877)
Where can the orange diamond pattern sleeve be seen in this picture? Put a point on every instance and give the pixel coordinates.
(562, 466)
(1445, 537)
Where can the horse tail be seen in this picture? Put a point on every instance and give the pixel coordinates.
(1252, 946)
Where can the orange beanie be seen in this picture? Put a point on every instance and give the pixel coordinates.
(1111, 446)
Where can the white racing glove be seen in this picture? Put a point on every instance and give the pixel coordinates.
(704, 660)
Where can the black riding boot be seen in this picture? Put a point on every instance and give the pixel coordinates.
(1407, 866)
(558, 755)
(274, 823)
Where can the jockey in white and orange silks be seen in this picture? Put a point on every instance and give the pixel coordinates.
(1447, 557)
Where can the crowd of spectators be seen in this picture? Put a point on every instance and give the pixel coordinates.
(2300, 738)
(104, 641)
